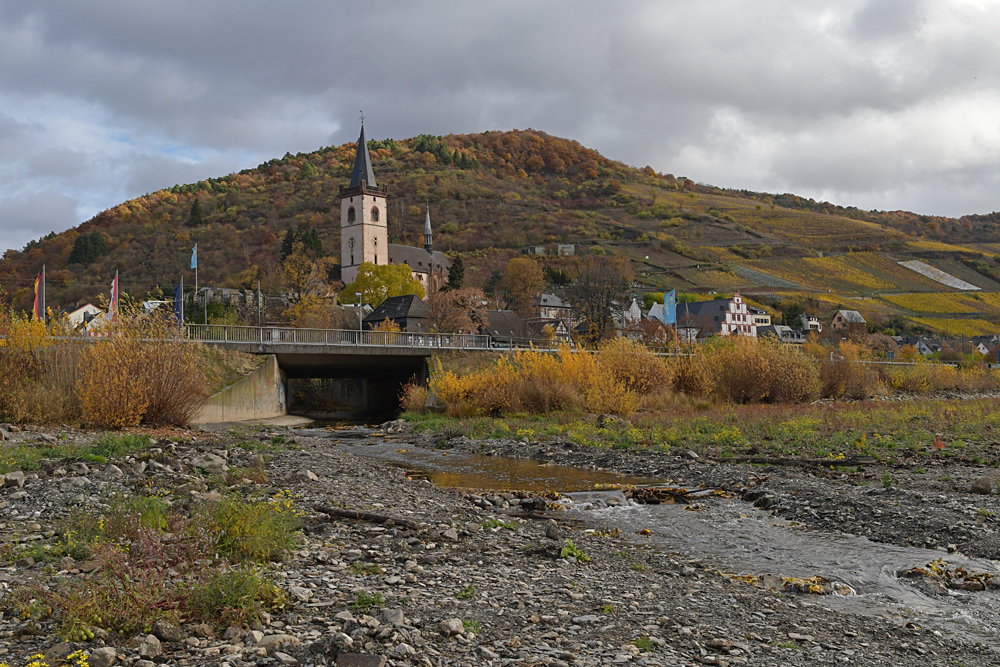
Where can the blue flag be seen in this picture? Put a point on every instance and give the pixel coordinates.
(194, 256)
(670, 307)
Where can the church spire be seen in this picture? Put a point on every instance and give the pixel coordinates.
(428, 237)
(362, 163)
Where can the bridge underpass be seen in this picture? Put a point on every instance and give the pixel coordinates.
(371, 365)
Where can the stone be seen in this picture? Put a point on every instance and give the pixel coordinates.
(404, 649)
(308, 476)
(168, 632)
(394, 617)
(553, 532)
(59, 651)
(342, 640)
(14, 479)
(112, 472)
(103, 657)
(19, 495)
(360, 660)
(451, 626)
(983, 485)
(801, 638)
(450, 534)
(4, 435)
(67, 563)
(274, 641)
(299, 593)
(150, 647)
(253, 637)
(211, 463)
(232, 632)
(284, 658)
(203, 630)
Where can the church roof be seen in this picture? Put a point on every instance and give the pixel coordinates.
(363, 163)
(418, 259)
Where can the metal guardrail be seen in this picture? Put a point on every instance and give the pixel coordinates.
(264, 336)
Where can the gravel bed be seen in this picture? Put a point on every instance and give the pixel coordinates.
(457, 592)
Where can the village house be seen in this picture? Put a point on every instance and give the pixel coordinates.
(761, 318)
(83, 315)
(721, 317)
(782, 333)
(407, 311)
(849, 323)
(811, 323)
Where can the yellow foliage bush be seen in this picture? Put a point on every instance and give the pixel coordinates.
(750, 370)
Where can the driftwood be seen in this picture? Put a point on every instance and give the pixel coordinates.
(367, 516)
(654, 495)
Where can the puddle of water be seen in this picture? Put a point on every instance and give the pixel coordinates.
(459, 470)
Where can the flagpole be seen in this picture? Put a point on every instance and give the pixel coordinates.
(43, 294)
(182, 299)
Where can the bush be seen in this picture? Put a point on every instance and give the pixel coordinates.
(234, 596)
(143, 372)
(413, 397)
(254, 530)
(748, 370)
(693, 375)
(846, 376)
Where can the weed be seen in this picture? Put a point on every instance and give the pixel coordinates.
(787, 644)
(983, 512)
(235, 596)
(364, 569)
(571, 551)
(639, 567)
(496, 523)
(644, 644)
(253, 530)
(608, 609)
(886, 479)
(920, 471)
(471, 625)
(466, 593)
(363, 602)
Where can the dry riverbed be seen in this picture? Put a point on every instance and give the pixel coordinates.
(481, 579)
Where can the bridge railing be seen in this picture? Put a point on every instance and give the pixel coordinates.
(215, 333)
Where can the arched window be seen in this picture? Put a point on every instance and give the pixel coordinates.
(374, 213)
(350, 214)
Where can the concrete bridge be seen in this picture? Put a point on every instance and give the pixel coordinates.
(369, 367)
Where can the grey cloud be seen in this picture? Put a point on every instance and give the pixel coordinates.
(31, 216)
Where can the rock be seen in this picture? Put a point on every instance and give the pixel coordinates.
(308, 476)
(14, 479)
(4, 435)
(284, 658)
(150, 647)
(112, 472)
(801, 638)
(103, 657)
(27, 561)
(604, 421)
(450, 534)
(253, 637)
(233, 632)
(59, 651)
(360, 660)
(211, 463)
(67, 563)
(553, 532)
(168, 632)
(451, 626)
(45, 437)
(19, 495)
(203, 630)
(299, 593)
(342, 640)
(404, 649)
(983, 485)
(274, 641)
(394, 617)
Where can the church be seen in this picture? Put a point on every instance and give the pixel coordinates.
(364, 233)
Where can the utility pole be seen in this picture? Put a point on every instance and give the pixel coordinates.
(258, 304)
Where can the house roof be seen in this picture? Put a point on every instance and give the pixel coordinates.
(756, 311)
(417, 259)
(362, 163)
(852, 316)
(504, 324)
(398, 308)
(550, 301)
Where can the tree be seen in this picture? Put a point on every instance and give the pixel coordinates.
(522, 281)
(460, 310)
(88, 247)
(196, 216)
(601, 293)
(377, 282)
(456, 274)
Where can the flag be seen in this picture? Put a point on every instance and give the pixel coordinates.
(179, 302)
(670, 307)
(194, 256)
(39, 295)
(113, 307)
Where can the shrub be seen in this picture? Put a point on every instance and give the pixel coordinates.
(747, 370)
(845, 375)
(693, 375)
(635, 366)
(143, 372)
(413, 397)
(233, 596)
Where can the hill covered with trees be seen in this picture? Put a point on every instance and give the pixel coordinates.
(491, 195)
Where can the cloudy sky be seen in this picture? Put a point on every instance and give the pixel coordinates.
(888, 104)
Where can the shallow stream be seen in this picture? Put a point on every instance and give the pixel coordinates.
(725, 533)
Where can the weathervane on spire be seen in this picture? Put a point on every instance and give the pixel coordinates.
(362, 112)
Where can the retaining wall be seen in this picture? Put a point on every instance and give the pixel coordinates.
(260, 395)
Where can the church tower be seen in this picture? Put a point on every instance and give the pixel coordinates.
(428, 235)
(363, 233)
